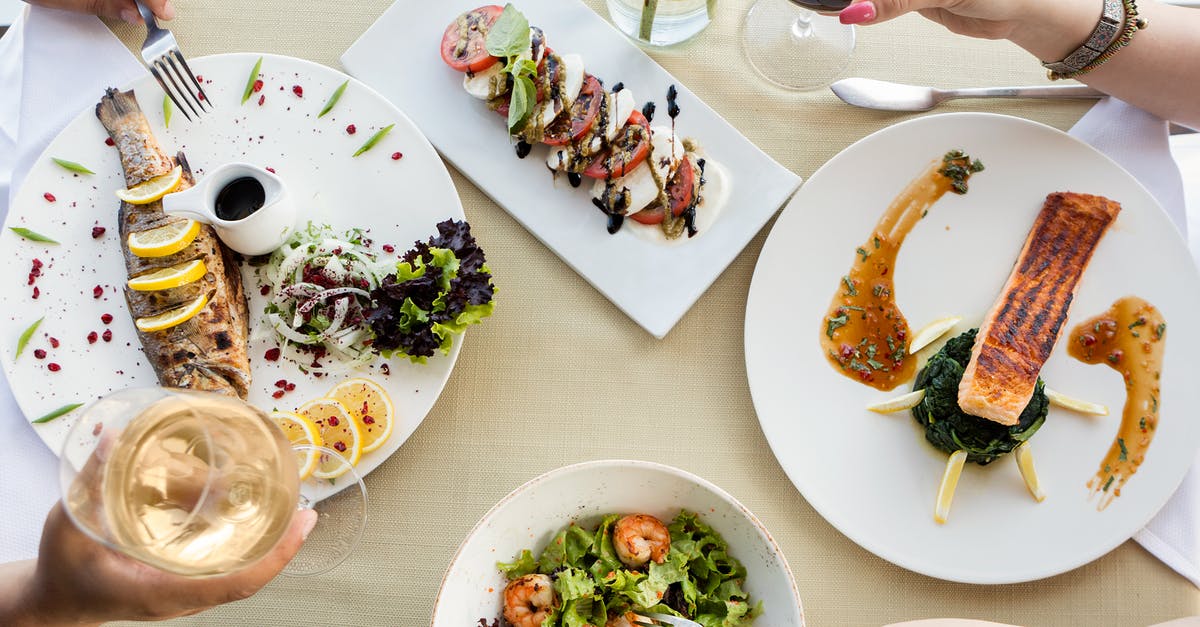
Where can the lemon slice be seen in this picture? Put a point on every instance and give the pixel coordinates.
(299, 431)
(172, 317)
(931, 332)
(1025, 465)
(945, 495)
(168, 278)
(900, 403)
(149, 191)
(165, 240)
(370, 404)
(339, 430)
(1074, 404)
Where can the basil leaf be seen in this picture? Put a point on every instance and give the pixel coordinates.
(25, 337)
(337, 95)
(72, 166)
(509, 35)
(167, 110)
(31, 235)
(250, 81)
(524, 95)
(370, 143)
(65, 409)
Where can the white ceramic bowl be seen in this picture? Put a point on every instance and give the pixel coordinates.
(530, 516)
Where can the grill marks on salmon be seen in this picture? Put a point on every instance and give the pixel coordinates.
(1020, 331)
(208, 352)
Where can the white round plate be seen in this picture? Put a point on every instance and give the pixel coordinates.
(396, 201)
(874, 477)
(531, 515)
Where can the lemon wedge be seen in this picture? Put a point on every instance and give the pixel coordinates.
(168, 278)
(1074, 404)
(300, 430)
(165, 240)
(1025, 465)
(339, 430)
(371, 405)
(172, 317)
(900, 403)
(931, 332)
(945, 495)
(149, 191)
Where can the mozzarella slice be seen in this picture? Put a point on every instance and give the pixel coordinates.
(640, 183)
(571, 66)
(479, 84)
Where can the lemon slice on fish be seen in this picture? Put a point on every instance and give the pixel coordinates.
(931, 332)
(149, 191)
(1028, 474)
(370, 404)
(300, 430)
(1074, 404)
(168, 278)
(900, 403)
(945, 495)
(172, 317)
(165, 240)
(339, 430)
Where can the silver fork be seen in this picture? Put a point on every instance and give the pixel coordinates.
(658, 620)
(161, 54)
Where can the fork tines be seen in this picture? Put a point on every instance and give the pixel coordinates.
(166, 66)
(662, 620)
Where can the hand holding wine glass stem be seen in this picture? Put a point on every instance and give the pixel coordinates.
(1155, 72)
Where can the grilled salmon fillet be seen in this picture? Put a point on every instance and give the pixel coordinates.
(209, 351)
(1019, 332)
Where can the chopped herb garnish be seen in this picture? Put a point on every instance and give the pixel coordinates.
(881, 291)
(850, 289)
(924, 213)
(370, 143)
(871, 350)
(1112, 358)
(1160, 330)
(168, 109)
(251, 80)
(1137, 323)
(1108, 483)
(1096, 328)
(31, 235)
(855, 365)
(65, 409)
(835, 323)
(863, 253)
(1154, 404)
(1142, 423)
(874, 364)
(876, 239)
(72, 166)
(337, 95)
(891, 343)
(959, 168)
(898, 355)
(23, 341)
(1107, 468)
(1124, 451)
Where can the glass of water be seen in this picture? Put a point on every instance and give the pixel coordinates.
(661, 22)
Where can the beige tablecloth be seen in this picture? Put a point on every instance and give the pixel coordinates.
(552, 378)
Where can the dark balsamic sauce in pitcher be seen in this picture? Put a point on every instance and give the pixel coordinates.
(240, 198)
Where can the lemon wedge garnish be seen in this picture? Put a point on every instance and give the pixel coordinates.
(339, 430)
(371, 405)
(945, 495)
(1025, 464)
(931, 332)
(300, 430)
(172, 317)
(900, 403)
(147, 192)
(1074, 404)
(168, 278)
(165, 240)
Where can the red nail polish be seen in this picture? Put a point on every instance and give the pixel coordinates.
(858, 13)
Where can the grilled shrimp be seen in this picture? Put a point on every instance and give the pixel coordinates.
(639, 538)
(528, 600)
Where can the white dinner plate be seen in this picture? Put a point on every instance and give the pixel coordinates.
(398, 201)
(530, 516)
(652, 282)
(873, 476)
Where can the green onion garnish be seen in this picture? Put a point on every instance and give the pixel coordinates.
(250, 81)
(65, 409)
(167, 110)
(374, 139)
(337, 95)
(31, 235)
(25, 337)
(72, 166)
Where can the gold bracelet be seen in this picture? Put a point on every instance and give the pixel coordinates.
(1133, 24)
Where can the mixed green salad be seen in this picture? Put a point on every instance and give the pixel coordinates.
(697, 578)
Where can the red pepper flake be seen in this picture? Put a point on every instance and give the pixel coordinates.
(350, 130)
(264, 290)
(271, 170)
(333, 421)
(53, 342)
(272, 354)
(340, 446)
(39, 353)
(106, 318)
(368, 420)
(98, 231)
(53, 367)
(298, 90)
(258, 85)
(109, 142)
(262, 99)
(92, 337)
(36, 292)
(388, 248)
(97, 292)
(49, 197)
(396, 156)
(277, 394)
(281, 383)
(107, 335)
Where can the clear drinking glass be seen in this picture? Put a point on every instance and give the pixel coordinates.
(202, 485)
(661, 22)
(798, 44)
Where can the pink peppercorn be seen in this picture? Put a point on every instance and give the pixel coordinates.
(340, 446)
(108, 141)
(106, 318)
(277, 394)
(388, 248)
(271, 170)
(92, 337)
(264, 290)
(350, 130)
(281, 383)
(298, 90)
(53, 342)
(262, 99)
(107, 335)
(333, 421)
(368, 420)
(396, 156)
(53, 367)
(97, 292)
(258, 85)
(39, 353)
(272, 354)
(97, 231)
(49, 197)
(36, 292)
(289, 387)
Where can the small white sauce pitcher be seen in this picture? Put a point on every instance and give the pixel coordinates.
(257, 234)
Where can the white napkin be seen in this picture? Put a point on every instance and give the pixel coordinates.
(53, 64)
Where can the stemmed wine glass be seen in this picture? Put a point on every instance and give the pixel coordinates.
(789, 44)
(202, 485)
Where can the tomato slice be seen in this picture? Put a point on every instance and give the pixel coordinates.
(627, 151)
(584, 111)
(680, 191)
(464, 44)
(543, 66)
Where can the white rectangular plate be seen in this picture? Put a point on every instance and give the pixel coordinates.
(652, 282)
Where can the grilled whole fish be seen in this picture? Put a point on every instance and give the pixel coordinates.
(209, 351)
(1019, 332)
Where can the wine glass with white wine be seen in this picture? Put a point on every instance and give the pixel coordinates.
(798, 44)
(202, 485)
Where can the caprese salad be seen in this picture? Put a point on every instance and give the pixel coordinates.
(646, 173)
